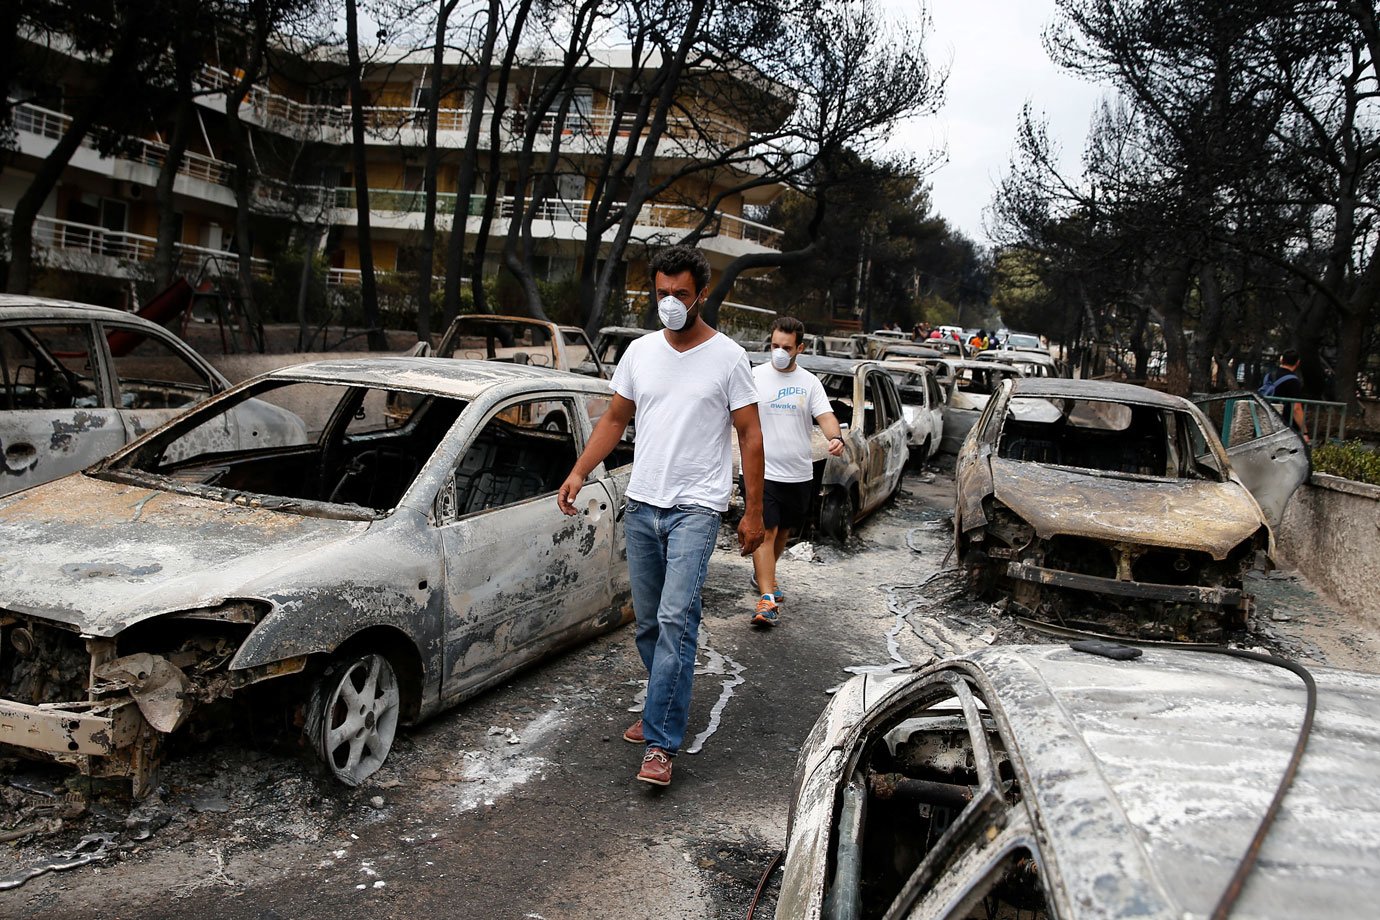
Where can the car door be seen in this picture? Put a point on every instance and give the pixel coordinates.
(157, 377)
(522, 579)
(55, 410)
(935, 404)
(884, 429)
(1268, 456)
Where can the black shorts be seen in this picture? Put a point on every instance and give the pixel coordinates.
(785, 504)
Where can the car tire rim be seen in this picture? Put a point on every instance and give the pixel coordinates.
(359, 718)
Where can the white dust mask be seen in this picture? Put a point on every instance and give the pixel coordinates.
(780, 358)
(672, 312)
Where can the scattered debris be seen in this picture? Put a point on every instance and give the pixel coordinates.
(89, 849)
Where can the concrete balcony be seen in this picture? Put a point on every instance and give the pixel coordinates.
(139, 160)
(561, 219)
(405, 126)
(89, 249)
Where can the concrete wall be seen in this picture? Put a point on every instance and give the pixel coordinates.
(1331, 533)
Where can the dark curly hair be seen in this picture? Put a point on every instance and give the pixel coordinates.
(791, 326)
(676, 259)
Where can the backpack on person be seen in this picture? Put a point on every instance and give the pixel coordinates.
(1273, 383)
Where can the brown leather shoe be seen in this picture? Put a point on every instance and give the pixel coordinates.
(634, 733)
(656, 768)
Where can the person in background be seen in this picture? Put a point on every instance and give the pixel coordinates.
(791, 400)
(1286, 381)
(689, 387)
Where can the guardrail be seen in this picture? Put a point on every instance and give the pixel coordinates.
(1319, 417)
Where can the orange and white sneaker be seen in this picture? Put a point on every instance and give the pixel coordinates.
(766, 614)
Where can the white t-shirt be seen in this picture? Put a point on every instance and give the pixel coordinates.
(788, 403)
(684, 450)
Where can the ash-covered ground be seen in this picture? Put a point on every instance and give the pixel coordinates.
(522, 803)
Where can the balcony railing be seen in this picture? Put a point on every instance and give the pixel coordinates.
(577, 210)
(72, 237)
(382, 119)
(33, 119)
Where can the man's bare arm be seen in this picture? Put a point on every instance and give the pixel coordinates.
(749, 426)
(829, 424)
(607, 433)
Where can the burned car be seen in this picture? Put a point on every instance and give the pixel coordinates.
(613, 341)
(922, 403)
(1118, 493)
(383, 570)
(967, 386)
(77, 382)
(521, 340)
(1042, 781)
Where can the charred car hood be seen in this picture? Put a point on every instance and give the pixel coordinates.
(1192, 514)
(101, 555)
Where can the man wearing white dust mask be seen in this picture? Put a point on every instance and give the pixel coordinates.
(689, 387)
(791, 401)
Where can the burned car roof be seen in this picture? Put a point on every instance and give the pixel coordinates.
(458, 377)
(24, 306)
(1143, 780)
(1045, 387)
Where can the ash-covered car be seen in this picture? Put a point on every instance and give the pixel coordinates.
(77, 382)
(1119, 494)
(967, 386)
(922, 403)
(385, 569)
(1040, 781)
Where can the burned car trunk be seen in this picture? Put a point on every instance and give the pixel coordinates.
(399, 563)
(1082, 498)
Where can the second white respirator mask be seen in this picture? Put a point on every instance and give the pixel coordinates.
(780, 358)
(672, 312)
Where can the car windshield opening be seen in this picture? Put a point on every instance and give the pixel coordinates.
(1102, 435)
(494, 340)
(352, 445)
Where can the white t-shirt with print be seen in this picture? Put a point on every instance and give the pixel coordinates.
(684, 450)
(788, 403)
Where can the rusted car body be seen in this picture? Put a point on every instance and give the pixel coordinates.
(521, 340)
(399, 567)
(922, 403)
(613, 341)
(1111, 489)
(77, 382)
(1040, 781)
(967, 386)
(866, 402)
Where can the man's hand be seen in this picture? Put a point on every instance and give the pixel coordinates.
(565, 498)
(835, 447)
(750, 533)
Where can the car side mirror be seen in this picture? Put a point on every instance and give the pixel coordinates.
(445, 507)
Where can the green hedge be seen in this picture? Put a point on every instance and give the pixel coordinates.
(1348, 459)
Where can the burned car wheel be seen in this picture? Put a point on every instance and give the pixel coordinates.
(836, 515)
(353, 716)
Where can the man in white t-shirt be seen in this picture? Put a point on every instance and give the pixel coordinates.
(791, 400)
(688, 386)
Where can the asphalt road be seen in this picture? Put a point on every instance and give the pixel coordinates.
(522, 803)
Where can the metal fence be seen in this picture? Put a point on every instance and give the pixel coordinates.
(1321, 419)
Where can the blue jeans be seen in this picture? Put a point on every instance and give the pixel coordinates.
(668, 556)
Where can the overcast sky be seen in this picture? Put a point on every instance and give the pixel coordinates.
(996, 64)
